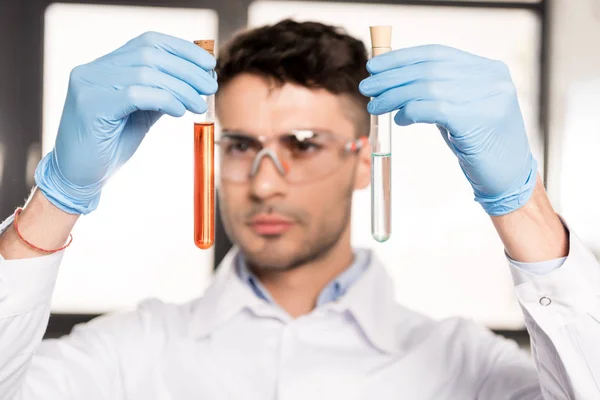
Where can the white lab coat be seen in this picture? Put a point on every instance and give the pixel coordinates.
(230, 344)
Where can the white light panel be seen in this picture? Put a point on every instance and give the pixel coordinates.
(579, 148)
(139, 243)
(444, 255)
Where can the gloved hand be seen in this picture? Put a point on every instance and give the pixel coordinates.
(474, 103)
(111, 104)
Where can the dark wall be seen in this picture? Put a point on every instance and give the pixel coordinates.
(20, 98)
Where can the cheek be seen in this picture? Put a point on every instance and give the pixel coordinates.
(326, 201)
(232, 199)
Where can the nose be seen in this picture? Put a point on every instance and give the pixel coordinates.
(268, 175)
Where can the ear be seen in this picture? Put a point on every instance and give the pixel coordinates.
(362, 178)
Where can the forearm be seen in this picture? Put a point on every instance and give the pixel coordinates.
(42, 224)
(26, 287)
(534, 232)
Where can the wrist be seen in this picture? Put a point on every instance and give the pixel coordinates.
(514, 199)
(42, 224)
(60, 192)
(534, 232)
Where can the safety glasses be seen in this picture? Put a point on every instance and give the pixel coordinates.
(300, 156)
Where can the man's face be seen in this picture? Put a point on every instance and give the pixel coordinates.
(277, 224)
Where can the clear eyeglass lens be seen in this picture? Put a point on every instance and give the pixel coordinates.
(304, 160)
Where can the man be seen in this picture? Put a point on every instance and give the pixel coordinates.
(296, 313)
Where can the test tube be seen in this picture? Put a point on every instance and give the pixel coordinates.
(381, 152)
(204, 168)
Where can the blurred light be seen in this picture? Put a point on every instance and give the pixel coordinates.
(495, 1)
(444, 254)
(580, 146)
(34, 152)
(139, 243)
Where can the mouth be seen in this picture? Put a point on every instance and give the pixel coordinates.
(270, 225)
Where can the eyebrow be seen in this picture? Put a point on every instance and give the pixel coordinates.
(240, 136)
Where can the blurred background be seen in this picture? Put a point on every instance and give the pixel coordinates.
(444, 255)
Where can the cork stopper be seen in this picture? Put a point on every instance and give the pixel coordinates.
(208, 45)
(381, 39)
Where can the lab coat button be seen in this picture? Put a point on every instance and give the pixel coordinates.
(545, 301)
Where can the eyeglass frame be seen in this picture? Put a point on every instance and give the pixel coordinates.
(352, 146)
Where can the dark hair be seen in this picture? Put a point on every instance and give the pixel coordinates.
(310, 54)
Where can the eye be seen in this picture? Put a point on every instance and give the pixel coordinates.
(305, 146)
(238, 146)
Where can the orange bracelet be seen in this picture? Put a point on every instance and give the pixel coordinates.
(16, 225)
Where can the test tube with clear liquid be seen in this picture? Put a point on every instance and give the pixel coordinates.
(204, 168)
(381, 152)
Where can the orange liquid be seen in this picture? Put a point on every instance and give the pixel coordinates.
(204, 185)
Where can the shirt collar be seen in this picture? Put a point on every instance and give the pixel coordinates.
(225, 297)
(369, 301)
(333, 291)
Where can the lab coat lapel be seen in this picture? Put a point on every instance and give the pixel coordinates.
(224, 298)
(371, 303)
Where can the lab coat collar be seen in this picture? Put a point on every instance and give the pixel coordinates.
(225, 297)
(369, 301)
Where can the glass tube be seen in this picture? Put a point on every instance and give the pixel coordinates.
(204, 182)
(381, 177)
(381, 151)
(204, 170)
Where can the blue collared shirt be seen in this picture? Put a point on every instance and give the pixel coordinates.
(334, 290)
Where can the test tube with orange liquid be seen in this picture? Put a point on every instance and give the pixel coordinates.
(204, 169)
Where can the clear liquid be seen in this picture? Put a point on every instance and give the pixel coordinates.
(381, 196)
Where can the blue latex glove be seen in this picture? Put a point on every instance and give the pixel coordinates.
(474, 103)
(111, 104)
